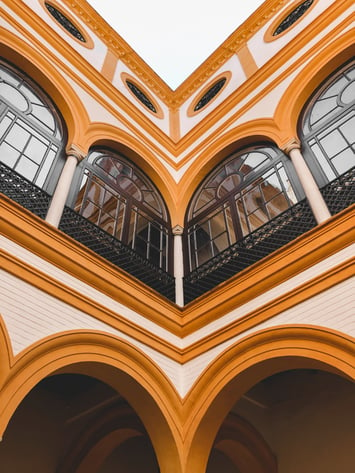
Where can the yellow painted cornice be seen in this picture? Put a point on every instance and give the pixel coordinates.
(174, 98)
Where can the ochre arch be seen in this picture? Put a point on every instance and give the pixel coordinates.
(114, 362)
(253, 132)
(290, 107)
(244, 364)
(102, 134)
(27, 58)
(5, 352)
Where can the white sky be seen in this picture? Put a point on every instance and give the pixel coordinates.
(175, 37)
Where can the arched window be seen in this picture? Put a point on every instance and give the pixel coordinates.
(31, 133)
(243, 193)
(117, 197)
(328, 124)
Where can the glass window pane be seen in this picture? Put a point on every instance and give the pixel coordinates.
(4, 125)
(322, 109)
(13, 96)
(119, 220)
(277, 205)
(323, 162)
(252, 199)
(8, 155)
(228, 185)
(344, 161)
(45, 168)
(43, 115)
(91, 212)
(270, 186)
(107, 223)
(253, 160)
(287, 185)
(8, 77)
(348, 94)
(18, 137)
(221, 243)
(207, 196)
(230, 226)
(217, 225)
(35, 150)
(26, 168)
(242, 218)
(333, 143)
(348, 130)
(204, 254)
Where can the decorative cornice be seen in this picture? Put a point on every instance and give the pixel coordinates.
(137, 65)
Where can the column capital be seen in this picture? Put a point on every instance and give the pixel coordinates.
(294, 143)
(74, 150)
(178, 230)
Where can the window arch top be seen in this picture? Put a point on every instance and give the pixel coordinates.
(128, 180)
(230, 176)
(31, 131)
(335, 96)
(19, 93)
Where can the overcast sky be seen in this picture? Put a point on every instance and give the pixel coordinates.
(175, 37)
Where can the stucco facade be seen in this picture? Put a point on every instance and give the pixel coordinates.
(99, 368)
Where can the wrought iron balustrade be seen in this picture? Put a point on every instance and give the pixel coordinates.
(113, 250)
(37, 201)
(23, 191)
(273, 235)
(340, 193)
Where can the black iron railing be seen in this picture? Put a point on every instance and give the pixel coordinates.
(260, 243)
(340, 193)
(34, 199)
(113, 250)
(24, 192)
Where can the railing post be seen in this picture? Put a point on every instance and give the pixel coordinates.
(310, 187)
(55, 211)
(178, 265)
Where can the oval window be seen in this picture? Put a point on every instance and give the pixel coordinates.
(210, 94)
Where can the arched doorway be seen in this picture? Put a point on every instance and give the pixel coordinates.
(273, 362)
(72, 423)
(302, 421)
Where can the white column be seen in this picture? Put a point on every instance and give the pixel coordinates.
(55, 211)
(178, 265)
(310, 187)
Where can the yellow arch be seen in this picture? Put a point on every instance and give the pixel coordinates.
(113, 361)
(290, 107)
(28, 59)
(5, 352)
(245, 364)
(102, 134)
(256, 131)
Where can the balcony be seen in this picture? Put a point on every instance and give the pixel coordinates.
(286, 227)
(82, 230)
